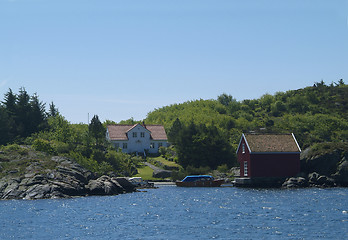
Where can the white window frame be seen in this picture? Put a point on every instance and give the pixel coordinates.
(152, 145)
(243, 148)
(245, 168)
(125, 146)
(135, 134)
(142, 134)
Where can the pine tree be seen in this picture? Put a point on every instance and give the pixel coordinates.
(97, 130)
(53, 110)
(38, 118)
(174, 131)
(4, 126)
(22, 117)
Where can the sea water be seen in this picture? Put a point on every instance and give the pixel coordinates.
(170, 212)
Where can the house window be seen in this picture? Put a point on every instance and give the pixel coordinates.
(135, 134)
(125, 145)
(152, 145)
(243, 148)
(142, 134)
(245, 168)
(160, 145)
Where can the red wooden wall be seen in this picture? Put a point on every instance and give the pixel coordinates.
(268, 164)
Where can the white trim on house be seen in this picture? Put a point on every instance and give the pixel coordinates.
(296, 142)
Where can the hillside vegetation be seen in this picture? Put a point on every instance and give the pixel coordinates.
(314, 114)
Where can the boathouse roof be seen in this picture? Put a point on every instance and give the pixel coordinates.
(264, 143)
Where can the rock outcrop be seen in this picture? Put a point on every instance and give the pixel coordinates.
(329, 169)
(65, 179)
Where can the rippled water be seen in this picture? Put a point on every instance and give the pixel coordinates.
(183, 213)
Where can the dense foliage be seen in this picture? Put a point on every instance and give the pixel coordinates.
(314, 114)
(23, 120)
(200, 145)
(20, 116)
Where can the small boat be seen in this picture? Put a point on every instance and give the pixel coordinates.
(199, 181)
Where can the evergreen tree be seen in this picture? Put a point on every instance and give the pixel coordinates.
(38, 120)
(174, 131)
(10, 114)
(10, 103)
(4, 126)
(97, 130)
(23, 110)
(53, 110)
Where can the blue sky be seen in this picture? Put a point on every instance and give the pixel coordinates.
(123, 59)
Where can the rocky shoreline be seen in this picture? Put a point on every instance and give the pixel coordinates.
(323, 170)
(67, 179)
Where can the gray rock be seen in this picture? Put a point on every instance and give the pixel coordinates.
(104, 186)
(125, 184)
(325, 164)
(295, 182)
(341, 176)
(68, 179)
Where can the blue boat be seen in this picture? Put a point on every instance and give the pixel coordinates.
(199, 181)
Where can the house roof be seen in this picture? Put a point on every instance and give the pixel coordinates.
(263, 143)
(157, 132)
(119, 132)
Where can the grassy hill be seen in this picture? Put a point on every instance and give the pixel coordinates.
(314, 114)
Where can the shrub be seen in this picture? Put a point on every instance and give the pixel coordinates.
(104, 168)
(12, 147)
(43, 146)
(85, 162)
(61, 147)
(223, 168)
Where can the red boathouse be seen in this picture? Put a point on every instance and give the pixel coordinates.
(268, 156)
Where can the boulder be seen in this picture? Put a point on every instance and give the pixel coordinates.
(104, 186)
(341, 176)
(295, 182)
(317, 180)
(325, 164)
(126, 185)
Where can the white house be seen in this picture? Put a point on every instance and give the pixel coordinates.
(137, 138)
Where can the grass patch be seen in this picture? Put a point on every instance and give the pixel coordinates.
(145, 172)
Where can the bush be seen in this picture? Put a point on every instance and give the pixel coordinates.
(85, 162)
(223, 168)
(12, 147)
(115, 159)
(43, 146)
(61, 147)
(104, 168)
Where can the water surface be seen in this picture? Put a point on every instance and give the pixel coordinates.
(183, 213)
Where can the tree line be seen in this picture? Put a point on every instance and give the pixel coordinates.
(22, 115)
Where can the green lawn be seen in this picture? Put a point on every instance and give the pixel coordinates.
(145, 173)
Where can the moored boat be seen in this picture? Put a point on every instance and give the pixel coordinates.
(199, 181)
